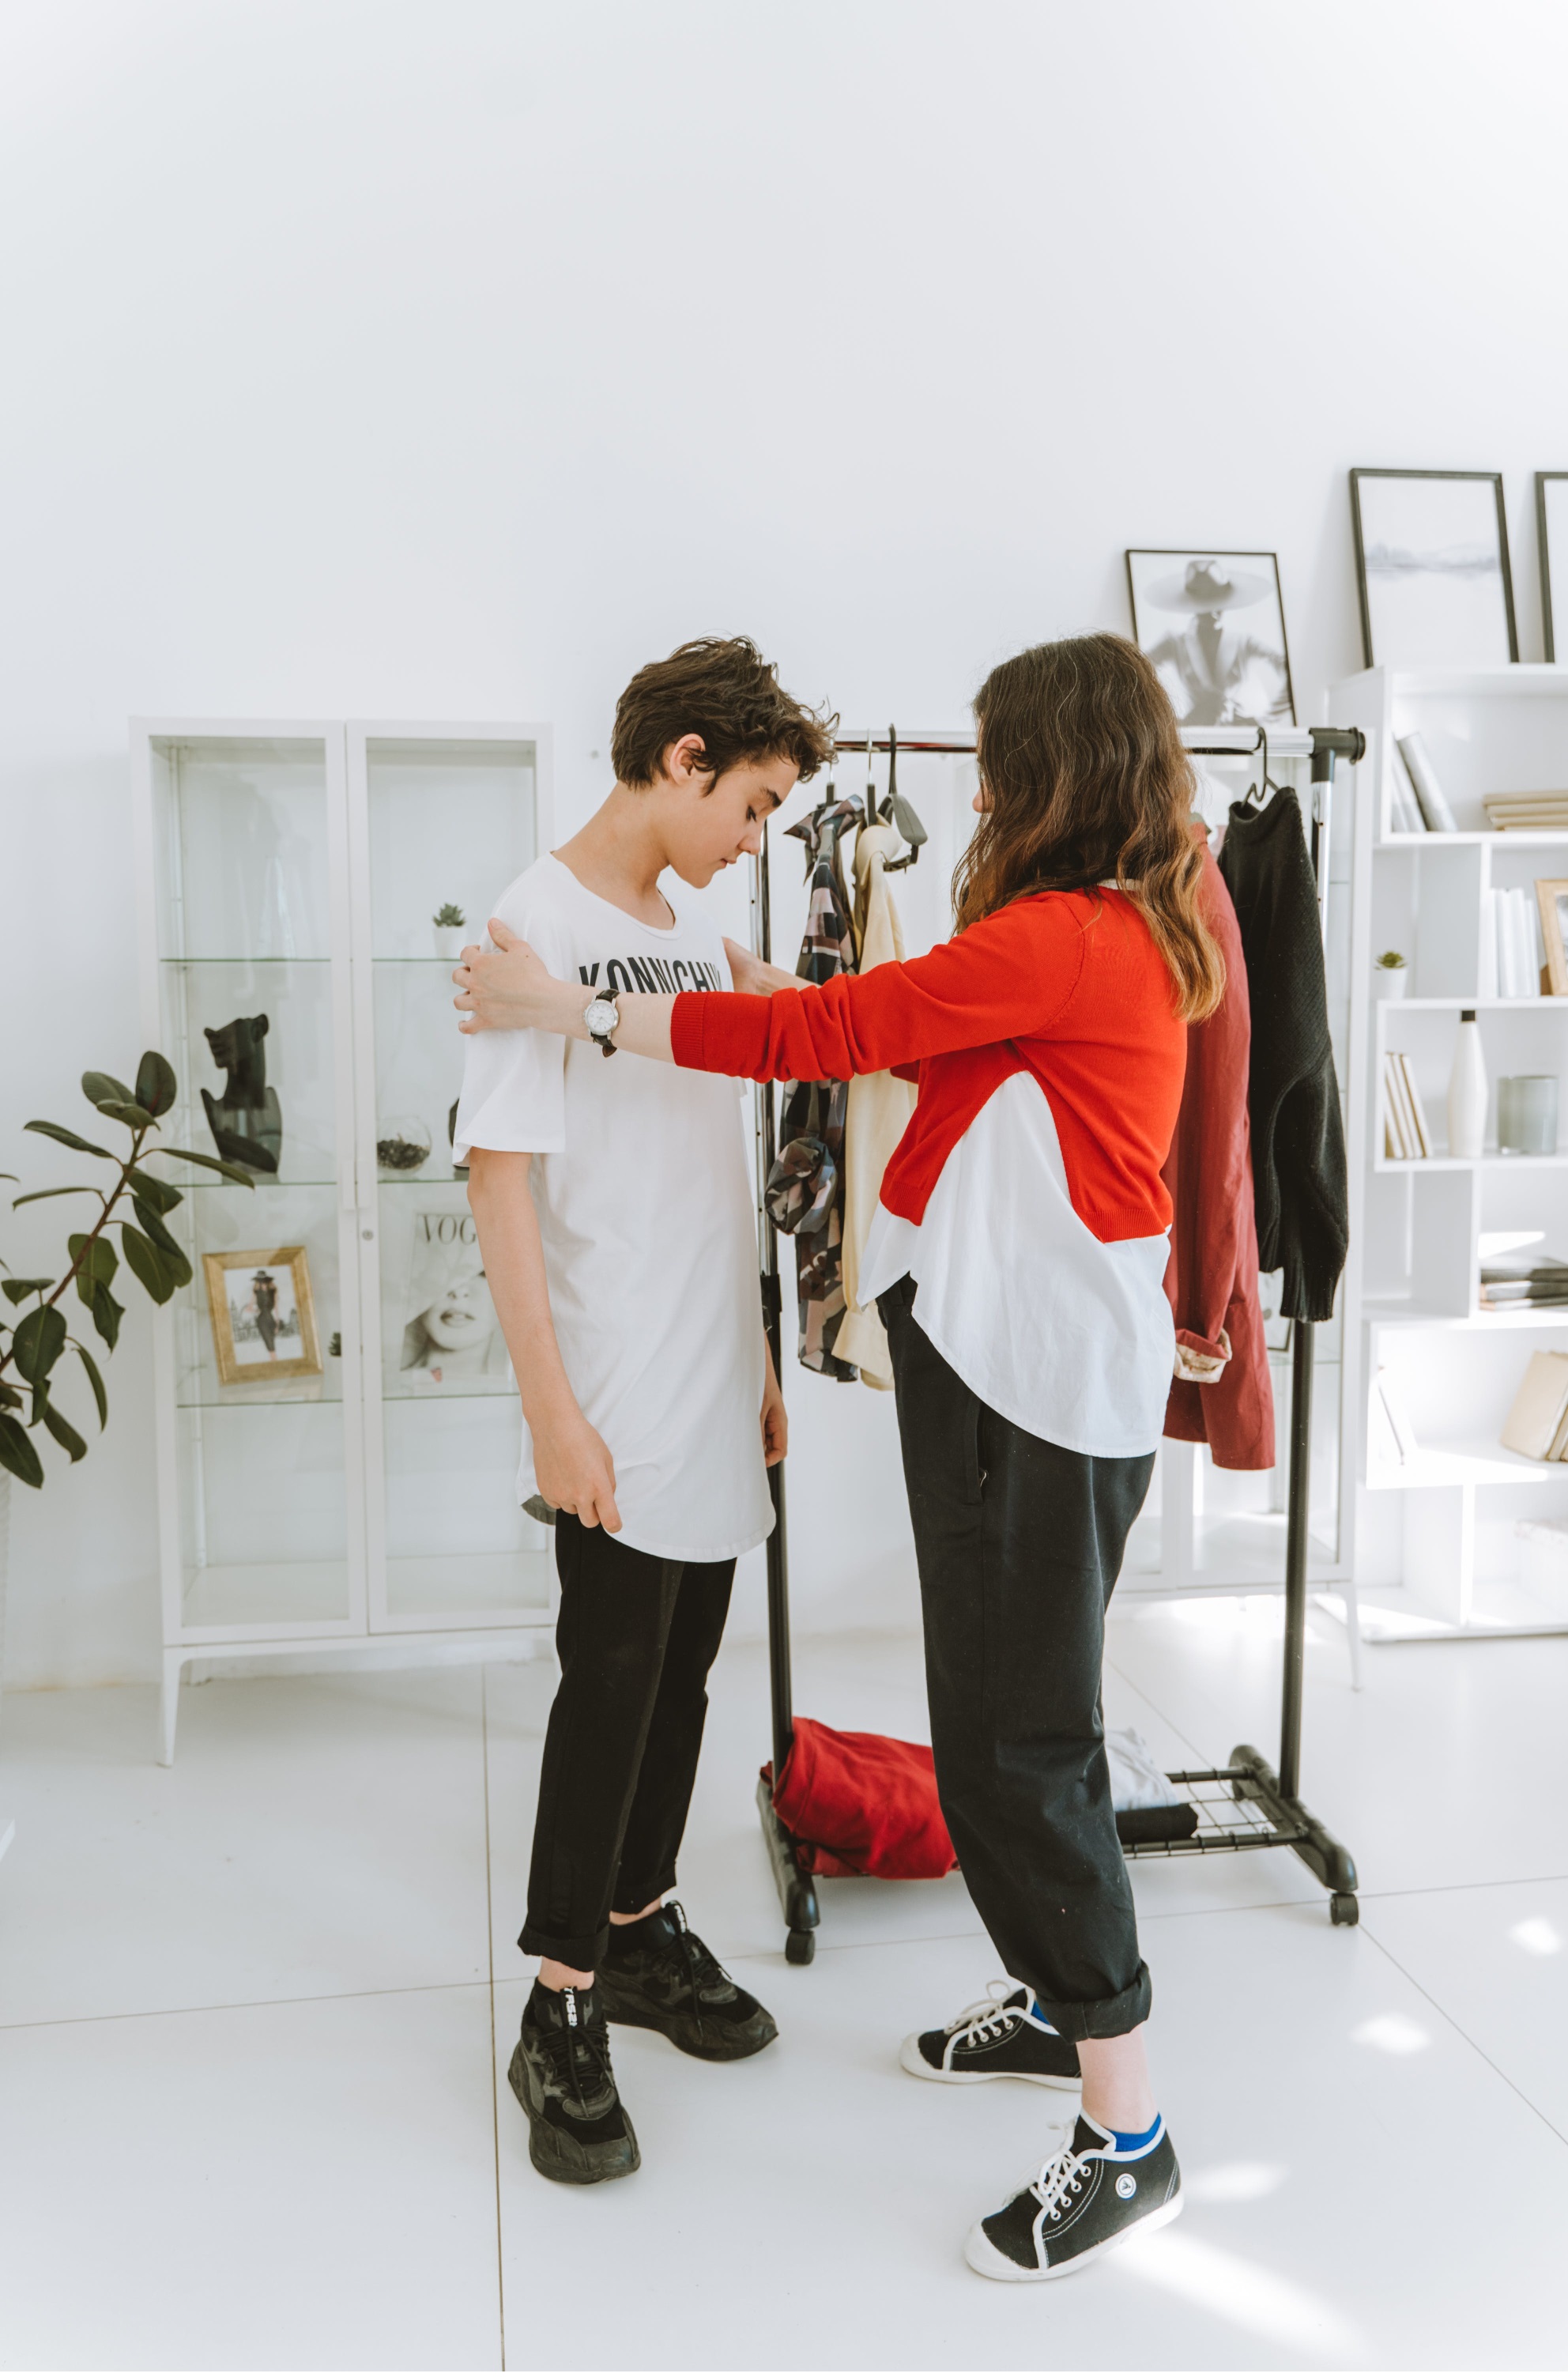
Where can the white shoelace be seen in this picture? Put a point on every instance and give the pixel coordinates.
(988, 2017)
(1060, 2175)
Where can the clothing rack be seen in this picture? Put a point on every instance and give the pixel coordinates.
(1246, 1804)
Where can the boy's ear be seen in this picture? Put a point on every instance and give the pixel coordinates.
(685, 763)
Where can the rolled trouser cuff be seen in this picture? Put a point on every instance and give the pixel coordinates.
(582, 1954)
(1102, 2017)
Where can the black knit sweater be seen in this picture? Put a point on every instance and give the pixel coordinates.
(1299, 1189)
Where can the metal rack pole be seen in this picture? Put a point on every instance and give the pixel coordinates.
(797, 1892)
(1328, 744)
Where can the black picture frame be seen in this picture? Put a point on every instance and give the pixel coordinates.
(1494, 478)
(1189, 553)
(1543, 550)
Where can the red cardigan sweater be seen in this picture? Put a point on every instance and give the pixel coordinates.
(1067, 985)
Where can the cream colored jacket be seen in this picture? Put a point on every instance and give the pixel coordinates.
(879, 1110)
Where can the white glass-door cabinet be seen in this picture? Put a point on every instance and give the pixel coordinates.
(337, 1418)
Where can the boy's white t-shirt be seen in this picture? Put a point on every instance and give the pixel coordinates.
(645, 1209)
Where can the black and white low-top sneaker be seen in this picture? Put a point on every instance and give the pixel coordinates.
(658, 1975)
(999, 2037)
(578, 2128)
(1086, 2199)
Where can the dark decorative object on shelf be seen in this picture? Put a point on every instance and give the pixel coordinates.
(402, 1143)
(335, 1345)
(32, 1347)
(246, 1122)
(460, 1169)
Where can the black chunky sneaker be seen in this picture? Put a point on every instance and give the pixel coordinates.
(659, 1976)
(1087, 2200)
(999, 2037)
(579, 2131)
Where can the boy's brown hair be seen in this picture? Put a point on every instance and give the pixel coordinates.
(720, 687)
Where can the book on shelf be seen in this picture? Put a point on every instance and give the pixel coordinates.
(1520, 1287)
(1404, 809)
(1436, 815)
(1510, 955)
(1537, 1425)
(1406, 1136)
(1527, 812)
(1390, 1398)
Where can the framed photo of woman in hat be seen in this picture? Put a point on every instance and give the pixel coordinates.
(1214, 625)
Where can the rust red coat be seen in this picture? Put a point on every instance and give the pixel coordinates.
(1212, 1277)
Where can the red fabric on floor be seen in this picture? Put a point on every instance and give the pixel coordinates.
(862, 1803)
(1212, 1276)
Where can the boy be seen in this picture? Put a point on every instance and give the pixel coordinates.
(615, 1220)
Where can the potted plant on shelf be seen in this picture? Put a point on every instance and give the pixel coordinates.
(1389, 972)
(35, 1334)
(449, 930)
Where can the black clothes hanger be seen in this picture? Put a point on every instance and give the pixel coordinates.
(902, 815)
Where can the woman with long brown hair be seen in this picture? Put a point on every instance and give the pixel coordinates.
(1017, 1259)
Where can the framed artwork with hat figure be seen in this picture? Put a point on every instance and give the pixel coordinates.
(263, 1315)
(1214, 625)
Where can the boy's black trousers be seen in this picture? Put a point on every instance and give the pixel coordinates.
(636, 1637)
(1019, 1543)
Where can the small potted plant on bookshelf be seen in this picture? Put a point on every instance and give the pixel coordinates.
(1389, 972)
(449, 930)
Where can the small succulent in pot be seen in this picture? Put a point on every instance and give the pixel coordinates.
(449, 923)
(1392, 973)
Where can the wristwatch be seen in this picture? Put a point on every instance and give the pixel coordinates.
(602, 1017)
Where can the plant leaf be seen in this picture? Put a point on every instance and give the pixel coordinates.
(106, 1315)
(68, 1139)
(17, 1452)
(209, 1163)
(168, 1246)
(101, 1263)
(39, 1402)
(157, 1193)
(148, 1263)
(102, 1089)
(38, 1342)
(95, 1381)
(33, 1195)
(156, 1086)
(126, 1110)
(19, 1290)
(64, 1433)
(9, 1399)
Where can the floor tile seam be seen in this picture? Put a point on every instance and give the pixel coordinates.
(242, 2005)
(1447, 1889)
(1458, 2029)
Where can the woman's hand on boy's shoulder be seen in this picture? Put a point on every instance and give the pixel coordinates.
(508, 988)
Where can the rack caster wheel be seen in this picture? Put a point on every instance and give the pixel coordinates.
(800, 1947)
(1344, 1908)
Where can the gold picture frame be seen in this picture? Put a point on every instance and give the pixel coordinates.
(1551, 899)
(274, 1310)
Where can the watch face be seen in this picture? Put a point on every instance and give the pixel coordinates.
(602, 1015)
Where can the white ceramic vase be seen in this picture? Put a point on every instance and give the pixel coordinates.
(1391, 981)
(1468, 1090)
(449, 941)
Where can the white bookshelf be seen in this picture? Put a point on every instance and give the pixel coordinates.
(1436, 1537)
(293, 870)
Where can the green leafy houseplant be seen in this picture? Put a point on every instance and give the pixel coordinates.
(32, 1344)
(448, 917)
(1390, 961)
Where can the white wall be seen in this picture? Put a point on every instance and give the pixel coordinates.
(449, 358)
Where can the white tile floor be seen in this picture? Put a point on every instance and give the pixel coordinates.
(250, 2009)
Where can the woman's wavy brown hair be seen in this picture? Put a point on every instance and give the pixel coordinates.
(1088, 783)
